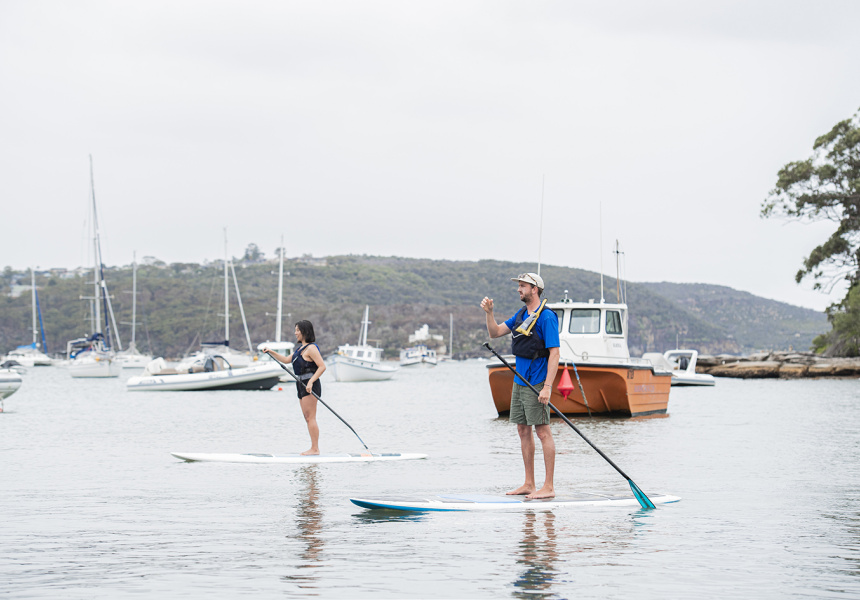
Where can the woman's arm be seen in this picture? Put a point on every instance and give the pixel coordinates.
(278, 357)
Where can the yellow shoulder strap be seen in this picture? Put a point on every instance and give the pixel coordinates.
(528, 324)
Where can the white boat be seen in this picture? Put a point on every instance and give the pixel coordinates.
(418, 356)
(682, 364)
(131, 358)
(10, 381)
(208, 370)
(32, 355)
(94, 356)
(360, 362)
(214, 373)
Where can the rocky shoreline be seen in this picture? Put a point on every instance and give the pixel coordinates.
(778, 365)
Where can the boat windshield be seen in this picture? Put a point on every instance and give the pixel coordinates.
(560, 314)
(584, 320)
(613, 322)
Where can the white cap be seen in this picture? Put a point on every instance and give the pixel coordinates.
(532, 278)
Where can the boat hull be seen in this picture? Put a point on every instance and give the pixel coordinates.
(616, 390)
(261, 377)
(344, 368)
(94, 368)
(10, 381)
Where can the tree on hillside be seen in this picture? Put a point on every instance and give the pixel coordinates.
(826, 186)
(253, 253)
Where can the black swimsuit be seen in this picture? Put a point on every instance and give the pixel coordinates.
(304, 370)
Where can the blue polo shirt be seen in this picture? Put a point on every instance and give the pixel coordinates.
(534, 370)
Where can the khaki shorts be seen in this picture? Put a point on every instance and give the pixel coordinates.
(526, 409)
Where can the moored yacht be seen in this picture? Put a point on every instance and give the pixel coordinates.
(94, 356)
(418, 356)
(593, 338)
(33, 354)
(360, 362)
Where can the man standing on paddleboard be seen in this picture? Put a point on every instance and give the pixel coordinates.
(535, 344)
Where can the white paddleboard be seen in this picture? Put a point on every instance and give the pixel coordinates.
(461, 502)
(294, 458)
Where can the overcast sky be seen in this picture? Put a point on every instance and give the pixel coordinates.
(422, 129)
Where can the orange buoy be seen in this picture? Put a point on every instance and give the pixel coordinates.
(565, 386)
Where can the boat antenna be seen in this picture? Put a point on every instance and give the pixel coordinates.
(540, 235)
(602, 299)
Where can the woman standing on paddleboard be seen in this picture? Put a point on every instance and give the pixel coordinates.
(308, 366)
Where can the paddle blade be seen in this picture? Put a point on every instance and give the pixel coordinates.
(644, 501)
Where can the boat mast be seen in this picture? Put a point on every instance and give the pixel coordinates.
(241, 308)
(33, 289)
(451, 335)
(226, 295)
(133, 345)
(540, 235)
(97, 316)
(602, 300)
(280, 294)
(362, 336)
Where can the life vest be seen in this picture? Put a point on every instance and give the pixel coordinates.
(525, 340)
(302, 368)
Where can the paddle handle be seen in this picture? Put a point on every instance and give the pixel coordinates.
(293, 375)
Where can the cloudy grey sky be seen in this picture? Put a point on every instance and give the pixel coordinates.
(422, 129)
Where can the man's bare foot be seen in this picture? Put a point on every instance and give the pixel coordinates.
(544, 492)
(311, 452)
(522, 490)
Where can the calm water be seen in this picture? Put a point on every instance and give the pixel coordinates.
(94, 506)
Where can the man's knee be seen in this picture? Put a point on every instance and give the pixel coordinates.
(543, 432)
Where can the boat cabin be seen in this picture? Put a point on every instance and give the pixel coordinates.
(368, 353)
(591, 332)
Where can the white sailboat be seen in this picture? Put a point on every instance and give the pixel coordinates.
(131, 358)
(94, 356)
(214, 368)
(360, 362)
(32, 355)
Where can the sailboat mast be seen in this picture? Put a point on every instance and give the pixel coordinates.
(33, 290)
(241, 308)
(133, 298)
(226, 295)
(97, 316)
(280, 294)
(451, 336)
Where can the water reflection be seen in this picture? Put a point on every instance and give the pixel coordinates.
(538, 555)
(309, 525)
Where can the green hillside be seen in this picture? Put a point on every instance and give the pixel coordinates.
(181, 304)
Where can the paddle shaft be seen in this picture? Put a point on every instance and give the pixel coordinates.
(293, 375)
(559, 413)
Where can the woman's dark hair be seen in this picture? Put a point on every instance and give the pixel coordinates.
(307, 329)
